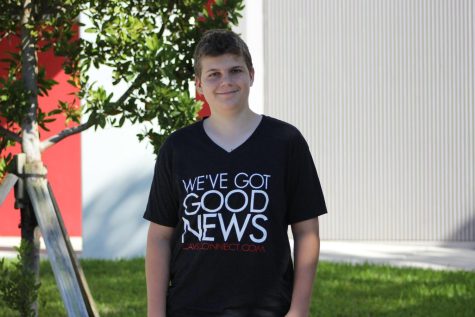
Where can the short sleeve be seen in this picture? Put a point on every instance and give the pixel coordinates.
(305, 198)
(162, 205)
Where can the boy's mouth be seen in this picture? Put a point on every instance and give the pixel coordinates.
(227, 92)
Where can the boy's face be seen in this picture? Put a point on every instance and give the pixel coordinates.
(225, 82)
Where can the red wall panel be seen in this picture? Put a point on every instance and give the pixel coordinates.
(62, 160)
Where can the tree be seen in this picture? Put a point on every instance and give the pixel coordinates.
(148, 45)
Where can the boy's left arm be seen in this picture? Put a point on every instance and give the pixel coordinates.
(306, 253)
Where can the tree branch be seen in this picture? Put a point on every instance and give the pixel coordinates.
(64, 134)
(139, 80)
(9, 134)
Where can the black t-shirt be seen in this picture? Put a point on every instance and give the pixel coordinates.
(231, 210)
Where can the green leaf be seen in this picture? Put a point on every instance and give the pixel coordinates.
(122, 121)
(54, 112)
(152, 42)
(91, 30)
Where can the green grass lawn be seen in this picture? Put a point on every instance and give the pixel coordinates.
(118, 288)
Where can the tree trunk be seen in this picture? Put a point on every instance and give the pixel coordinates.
(29, 64)
(31, 233)
(30, 136)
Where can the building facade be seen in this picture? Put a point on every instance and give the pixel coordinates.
(383, 91)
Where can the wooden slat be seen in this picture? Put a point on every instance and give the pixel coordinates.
(56, 247)
(86, 293)
(8, 182)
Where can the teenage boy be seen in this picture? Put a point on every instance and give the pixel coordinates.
(225, 190)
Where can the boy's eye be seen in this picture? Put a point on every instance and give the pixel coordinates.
(211, 75)
(236, 70)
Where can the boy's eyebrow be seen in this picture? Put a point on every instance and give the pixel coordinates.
(211, 70)
(217, 69)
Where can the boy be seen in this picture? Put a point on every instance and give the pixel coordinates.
(225, 190)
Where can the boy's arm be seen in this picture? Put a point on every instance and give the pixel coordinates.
(306, 252)
(157, 268)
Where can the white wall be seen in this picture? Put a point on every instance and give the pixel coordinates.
(384, 93)
(251, 29)
(117, 172)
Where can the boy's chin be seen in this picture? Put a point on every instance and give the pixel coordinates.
(228, 106)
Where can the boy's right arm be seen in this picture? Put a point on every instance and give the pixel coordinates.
(157, 268)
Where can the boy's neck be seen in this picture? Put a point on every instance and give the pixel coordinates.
(229, 132)
(232, 123)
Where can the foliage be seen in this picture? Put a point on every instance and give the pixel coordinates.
(18, 286)
(147, 44)
(5, 160)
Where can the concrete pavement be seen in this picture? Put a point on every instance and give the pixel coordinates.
(438, 256)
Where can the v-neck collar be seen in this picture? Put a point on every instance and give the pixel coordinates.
(243, 144)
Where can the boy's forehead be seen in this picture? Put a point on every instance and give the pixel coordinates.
(221, 61)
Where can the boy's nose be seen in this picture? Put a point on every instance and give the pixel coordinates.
(226, 79)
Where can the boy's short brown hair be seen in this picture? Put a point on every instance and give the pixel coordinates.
(218, 42)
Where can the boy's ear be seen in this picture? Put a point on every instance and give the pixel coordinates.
(198, 85)
(251, 74)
